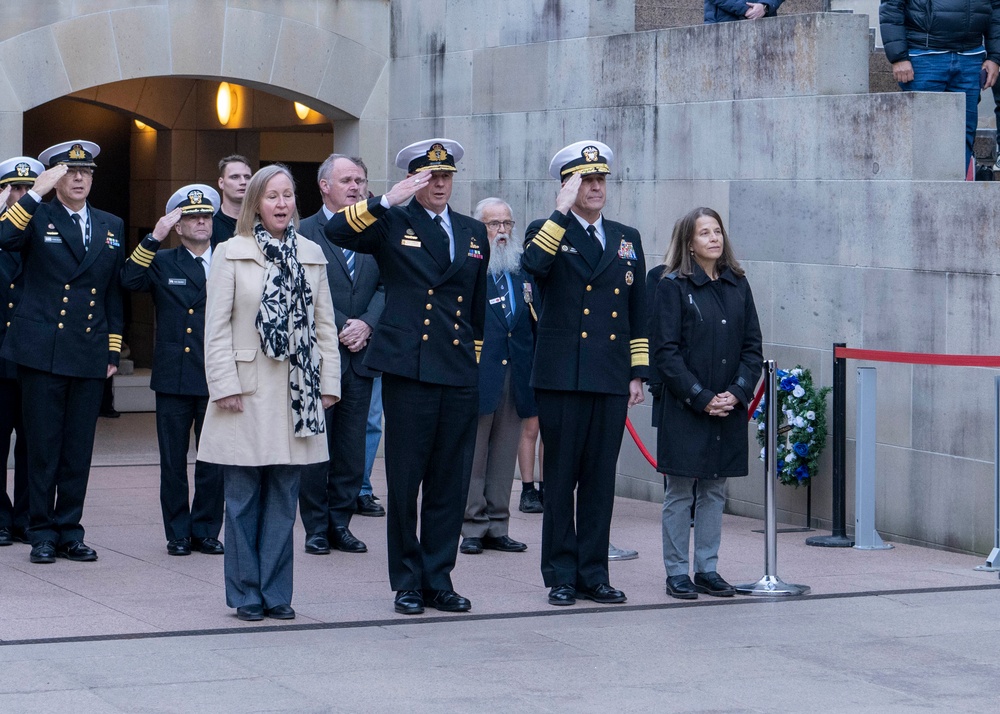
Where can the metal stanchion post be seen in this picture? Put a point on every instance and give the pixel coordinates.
(771, 584)
(993, 561)
(838, 520)
(864, 471)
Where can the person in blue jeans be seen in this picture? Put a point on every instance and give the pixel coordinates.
(368, 504)
(942, 46)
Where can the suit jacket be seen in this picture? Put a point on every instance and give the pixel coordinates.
(263, 434)
(177, 283)
(11, 287)
(69, 320)
(508, 346)
(361, 299)
(592, 333)
(432, 326)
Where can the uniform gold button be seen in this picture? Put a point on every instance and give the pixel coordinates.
(188, 330)
(427, 322)
(425, 338)
(617, 291)
(93, 291)
(589, 288)
(90, 317)
(427, 306)
(458, 313)
(583, 335)
(503, 361)
(614, 314)
(61, 312)
(187, 349)
(12, 286)
(8, 324)
(586, 311)
(65, 299)
(88, 329)
(460, 298)
(65, 287)
(10, 304)
(430, 292)
(456, 325)
(190, 310)
(92, 303)
(455, 342)
(612, 337)
(60, 325)
(508, 334)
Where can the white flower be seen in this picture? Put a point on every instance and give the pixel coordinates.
(798, 392)
(797, 372)
(799, 422)
(811, 415)
(762, 453)
(761, 427)
(790, 458)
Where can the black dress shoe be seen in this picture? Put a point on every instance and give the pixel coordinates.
(76, 550)
(342, 539)
(317, 544)
(602, 593)
(179, 546)
(447, 601)
(250, 613)
(280, 612)
(503, 543)
(208, 546)
(44, 552)
(368, 506)
(713, 584)
(530, 502)
(5, 537)
(471, 546)
(681, 587)
(562, 595)
(409, 602)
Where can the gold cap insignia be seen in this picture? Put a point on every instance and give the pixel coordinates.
(23, 169)
(194, 197)
(77, 153)
(437, 153)
(590, 154)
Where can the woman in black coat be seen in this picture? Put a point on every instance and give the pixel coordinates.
(705, 345)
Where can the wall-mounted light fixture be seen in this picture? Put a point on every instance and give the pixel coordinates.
(140, 126)
(301, 110)
(226, 102)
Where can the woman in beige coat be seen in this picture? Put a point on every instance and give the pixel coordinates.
(273, 366)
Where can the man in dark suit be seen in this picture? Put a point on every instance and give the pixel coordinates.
(327, 504)
(66, 337)
(176, 278)
(591, 356)
(505, 395)
(234, 176)
(427, 343)
(17, 175)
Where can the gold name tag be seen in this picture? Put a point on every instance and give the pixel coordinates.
(411, 243)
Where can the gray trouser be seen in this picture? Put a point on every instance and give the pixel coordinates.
(711, 499)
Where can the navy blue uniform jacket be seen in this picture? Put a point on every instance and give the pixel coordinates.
(177, 283)
(432, 327)
(592, 323)
(360, 299)
(11, 287)
(69, 320)
(508, 347)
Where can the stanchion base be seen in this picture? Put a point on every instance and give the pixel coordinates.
(830, 541)
(772, 586)
(992, 562)
(797, 529)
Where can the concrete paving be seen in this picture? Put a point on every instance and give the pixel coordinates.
(908, 629)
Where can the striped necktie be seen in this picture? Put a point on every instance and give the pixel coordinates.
(349, 257)
(504, 293)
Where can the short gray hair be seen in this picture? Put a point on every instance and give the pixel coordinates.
(327, 166)
(486, 203)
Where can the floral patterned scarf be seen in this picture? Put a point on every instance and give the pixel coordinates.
(287, 327)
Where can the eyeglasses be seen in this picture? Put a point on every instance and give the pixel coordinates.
(497, 225)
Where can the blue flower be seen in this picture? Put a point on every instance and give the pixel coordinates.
(782, 373)
(810, 429)
(800, 448)
(801, 473)
(789, 383)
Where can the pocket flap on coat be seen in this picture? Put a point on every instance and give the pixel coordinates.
(245, 355)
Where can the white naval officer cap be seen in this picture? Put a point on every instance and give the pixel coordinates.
(72, 153)
(20, 169)
(430, 155)
(582, 157)
(195, 198)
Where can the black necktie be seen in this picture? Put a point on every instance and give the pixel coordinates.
(592, 231)
(77, 218)
(504, 293)
(201, 262)
(447, 238)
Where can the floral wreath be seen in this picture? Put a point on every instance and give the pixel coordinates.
(804, 409)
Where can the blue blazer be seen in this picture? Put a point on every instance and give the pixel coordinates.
(508, 347)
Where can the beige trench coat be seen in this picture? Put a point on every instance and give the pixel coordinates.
(263, 433)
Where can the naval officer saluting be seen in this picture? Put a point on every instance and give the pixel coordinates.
(427, 343)
(176, 278)
(65, 336)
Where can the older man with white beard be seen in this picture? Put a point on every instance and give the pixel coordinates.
(505, 398)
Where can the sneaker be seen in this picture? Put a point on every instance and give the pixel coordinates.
(530, 502)
(621, 553)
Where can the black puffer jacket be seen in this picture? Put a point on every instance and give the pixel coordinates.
(954, 25)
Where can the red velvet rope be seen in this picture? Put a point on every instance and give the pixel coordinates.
(649, 457)
(918, 358)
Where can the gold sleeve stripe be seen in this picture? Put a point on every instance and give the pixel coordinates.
(358, 216)
(114, 343)
(640, 351)
(142, 256)
(640, 360)
(18, 216)
(549, 237)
